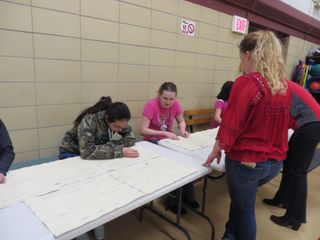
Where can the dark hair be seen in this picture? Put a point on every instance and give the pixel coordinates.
(225, 91)
(114, 111)
(118, 111)
(168, 86)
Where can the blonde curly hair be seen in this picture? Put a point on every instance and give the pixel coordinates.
(266, 56)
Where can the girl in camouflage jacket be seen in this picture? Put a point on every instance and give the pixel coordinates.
(93, 133)
(92, 137)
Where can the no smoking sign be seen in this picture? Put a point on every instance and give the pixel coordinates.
(187, 27)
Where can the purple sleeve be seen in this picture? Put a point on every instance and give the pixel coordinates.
(219, 104)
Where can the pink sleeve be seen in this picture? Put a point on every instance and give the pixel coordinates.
(219, 104)
(178, 108)
(148, 111)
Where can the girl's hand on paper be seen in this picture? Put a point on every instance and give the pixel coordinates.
(130, 152)
(171, 136)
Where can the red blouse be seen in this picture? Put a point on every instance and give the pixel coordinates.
(255, 124)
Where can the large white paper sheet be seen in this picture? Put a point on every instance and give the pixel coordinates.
(41, 179)
(198, 145)
(121, 163)
(195, 141)
(68, 209)
(153, 174)
(15, 191)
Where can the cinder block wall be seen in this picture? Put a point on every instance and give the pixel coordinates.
(58, 57)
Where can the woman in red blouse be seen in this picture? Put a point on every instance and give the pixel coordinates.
(254, 129)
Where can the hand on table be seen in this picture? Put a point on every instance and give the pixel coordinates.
(2, 178)
(215, 154)
(171, 136)
(130, 152)
(184, 133)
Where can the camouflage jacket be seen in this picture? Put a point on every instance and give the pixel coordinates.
(93, 139)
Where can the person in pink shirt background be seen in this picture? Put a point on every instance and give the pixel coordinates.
(221, 104)
(158, 117)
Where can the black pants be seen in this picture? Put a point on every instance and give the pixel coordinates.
(187, 190)
(187, 195)
(293, 186)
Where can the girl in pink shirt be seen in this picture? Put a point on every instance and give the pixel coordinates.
(159, 114)
(221, 103)
(157, 120)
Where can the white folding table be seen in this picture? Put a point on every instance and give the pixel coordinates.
(18, 222)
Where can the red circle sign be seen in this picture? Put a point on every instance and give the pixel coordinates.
(190, 28)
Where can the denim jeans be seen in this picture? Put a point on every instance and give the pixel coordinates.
(243, 183)
(64, 155)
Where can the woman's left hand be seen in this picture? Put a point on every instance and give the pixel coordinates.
(184, 133)
(215, 154)
(2, 178)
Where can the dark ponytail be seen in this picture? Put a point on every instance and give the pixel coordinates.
(225, 91)
(103, 104)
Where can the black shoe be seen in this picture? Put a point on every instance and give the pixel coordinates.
(174, 208)
(285, 221)
(192, 203)
(273, 202)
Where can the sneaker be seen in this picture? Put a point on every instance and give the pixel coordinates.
(285, 221)
(192, 203)
(98, 233)
(84, 236)
(273, 202)
(174, 208)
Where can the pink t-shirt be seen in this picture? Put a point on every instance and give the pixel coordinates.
(161, 119)
(220, 104)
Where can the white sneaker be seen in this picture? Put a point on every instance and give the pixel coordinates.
(98, 232)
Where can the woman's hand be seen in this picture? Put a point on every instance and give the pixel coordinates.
(130, 152)
(171, 135)
(215, 154)
(184, 133)
(2, 178)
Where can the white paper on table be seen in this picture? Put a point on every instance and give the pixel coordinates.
(109, 165)
(66, 210)
(203, 142)
(153, 174)
(195, 141)
(17, 191)
(41, 179)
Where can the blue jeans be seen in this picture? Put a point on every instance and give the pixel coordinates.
(64, 155)
(243, 183)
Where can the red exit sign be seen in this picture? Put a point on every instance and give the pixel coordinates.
(239, 24)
